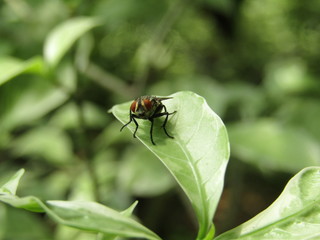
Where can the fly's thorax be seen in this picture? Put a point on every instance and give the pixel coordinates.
(145, 107)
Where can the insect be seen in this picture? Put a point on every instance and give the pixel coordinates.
(148, 108)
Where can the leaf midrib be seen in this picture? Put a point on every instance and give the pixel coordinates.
(192, 165)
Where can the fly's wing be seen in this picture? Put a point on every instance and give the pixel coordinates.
(162, 98)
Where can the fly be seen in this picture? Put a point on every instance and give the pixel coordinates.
(148, 108)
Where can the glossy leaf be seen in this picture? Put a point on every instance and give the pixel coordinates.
(89, 216)
(294, 215)
(198, 154)
(64, 35)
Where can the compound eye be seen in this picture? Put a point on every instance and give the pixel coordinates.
(133, 106)
(147, 103)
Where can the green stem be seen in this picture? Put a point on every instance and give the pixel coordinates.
(86, 153)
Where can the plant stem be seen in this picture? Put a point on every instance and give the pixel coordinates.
(86, 153)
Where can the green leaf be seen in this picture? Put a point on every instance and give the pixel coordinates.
(95, 217)
(198, 154)
(128, 212)
(11, 186)
(89, 216)
(47, 142)
(64, 35)
(30, 203)
(294, 215)
(11, 67)
(142, 174)
(25, 100)
(25, 225)
(273, 147)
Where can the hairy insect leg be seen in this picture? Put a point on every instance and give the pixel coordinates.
(135, 122)
(131, 117)
(165, 113)
(137, 126)
(126, 124)
(151, 130)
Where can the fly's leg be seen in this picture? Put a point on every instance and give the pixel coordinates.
(137, 126)
(165, 113)
(132, 118)
(151, 130)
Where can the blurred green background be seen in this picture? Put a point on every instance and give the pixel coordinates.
(256, 63)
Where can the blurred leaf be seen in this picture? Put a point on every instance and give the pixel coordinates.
(25, 100)
(88, 216)
(82, 187)
(215, 94)
(289, 76)
(66, 77)
(249, 101)
(11, 186)
(47, 143)
(110, 135)
(141, 174)
(64, 35)
(48, 185)
(11, 67)
(63, 232)
(84, 49)
(23, 225)
(271, 146)
(68, 116)
(3, 212)
(198, 155)
(302, 113)
(294, 215)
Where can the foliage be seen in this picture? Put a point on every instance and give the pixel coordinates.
(64, 63)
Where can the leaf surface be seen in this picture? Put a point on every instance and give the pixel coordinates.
(198, 154)
(295, 215)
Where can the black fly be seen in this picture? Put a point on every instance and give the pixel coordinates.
(149, 108)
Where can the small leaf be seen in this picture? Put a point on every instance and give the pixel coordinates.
(198, 154)
(11, 67)
(95, 217)
(294, 215)
(30, 203)
(11, 186)
(64, 35)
